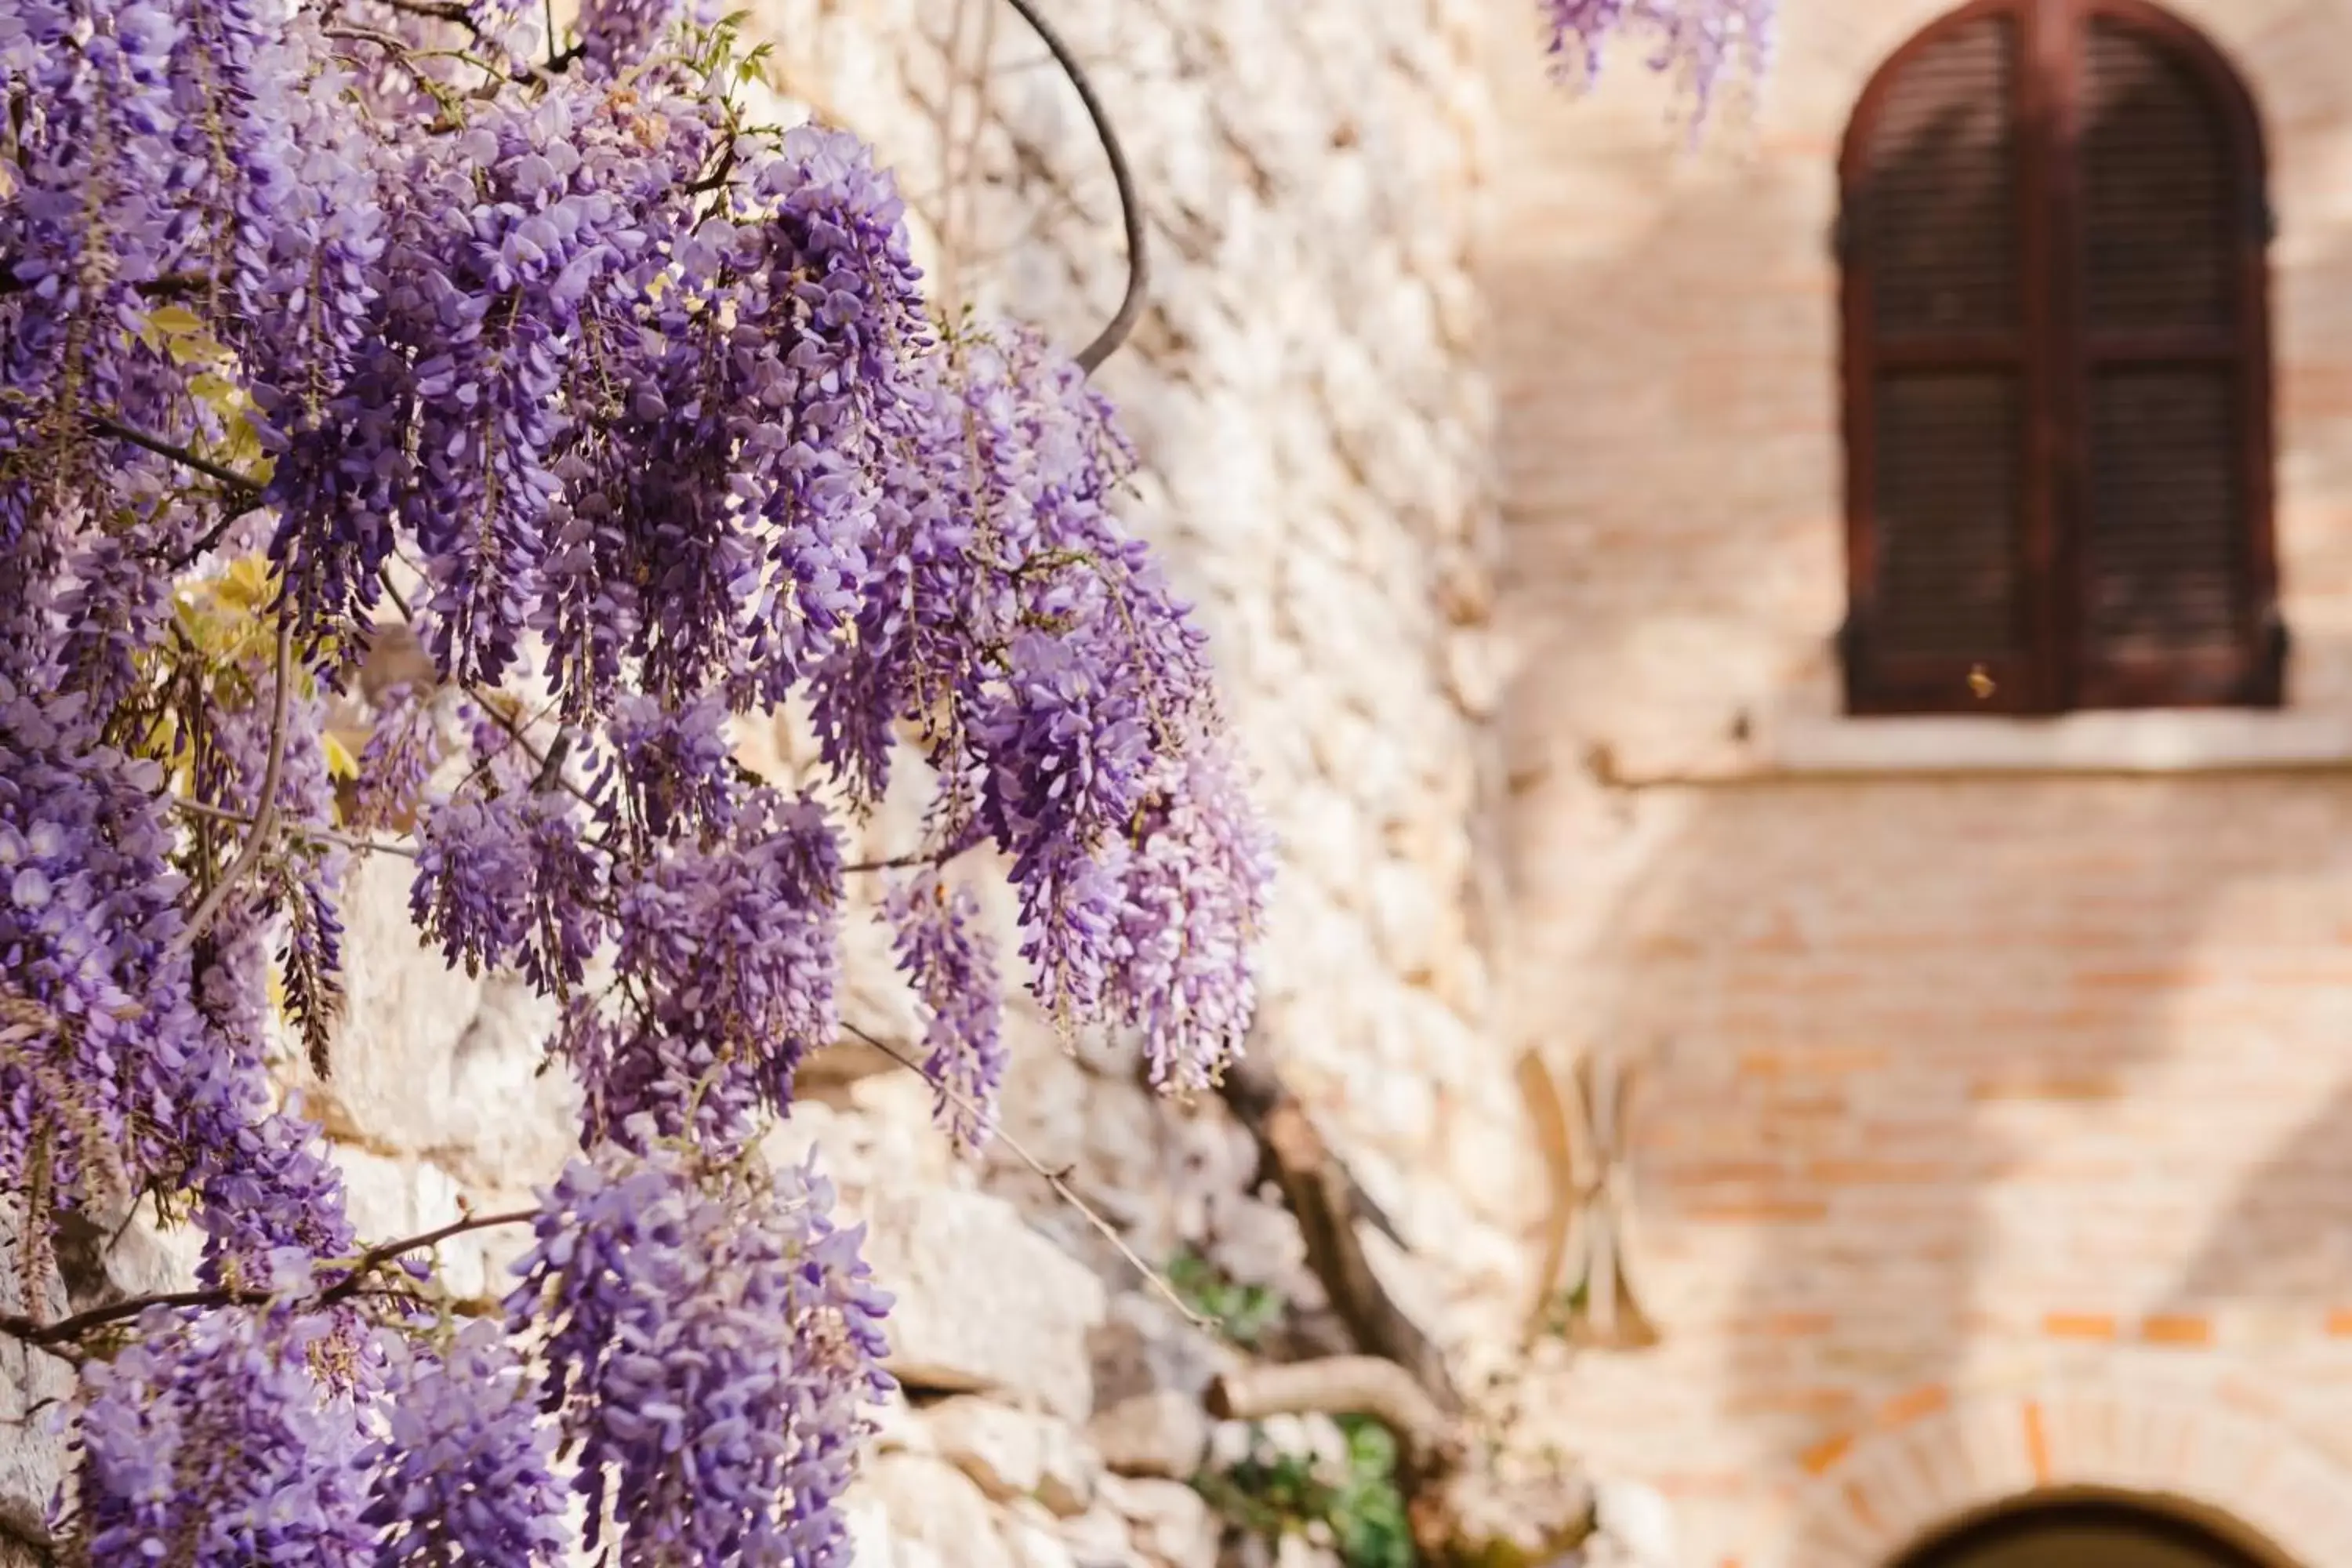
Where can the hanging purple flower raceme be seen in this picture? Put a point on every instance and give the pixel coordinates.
(732, 950)
(473, 879)
(464, 1472)
(1193, 901)
(88, 917)
(210, 1441)
(842, 284)
(331, 396)
(924, 611)
(1066, 751)
(936, 932)
(139, 1060)
(616, 35)
(511, 879)
(86, 225)
(483, 279)
(402, 748)
(115, 607)
(715, 1342)
(673, 769)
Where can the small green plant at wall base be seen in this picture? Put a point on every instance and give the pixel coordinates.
(1243, 1313)
(1359, 1506)
(1368, 1516)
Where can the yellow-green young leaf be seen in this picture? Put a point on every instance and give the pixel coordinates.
(174, 321)
(242, 450)
(218, 392)
(246, 586)
(192, 349)
(340, 763)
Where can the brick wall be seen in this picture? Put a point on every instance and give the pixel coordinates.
(1959, 1081)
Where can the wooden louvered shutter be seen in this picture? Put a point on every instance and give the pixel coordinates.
(2170, 523)
(2057, 373)
(1939, 391)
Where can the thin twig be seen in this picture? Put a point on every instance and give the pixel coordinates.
(264, 816)
(438, 10)
(180, 455)
(908, 862)
(172, 285)
(1138, 267)
(245, 492)
(376, 1257)
(325, 834)
(1057, 1180)
(245, 502)
(17, 1326)
(391, 43)
(550, 762)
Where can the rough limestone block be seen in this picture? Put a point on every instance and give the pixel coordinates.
(984, 1304)
(1171, 1521)
(1029, 1531)
(1014, 1453)
(930, 1503)
(1143, 1345)
(430, 1061)
(1162, 1433)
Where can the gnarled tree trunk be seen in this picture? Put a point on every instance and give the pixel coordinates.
(1463, 1514)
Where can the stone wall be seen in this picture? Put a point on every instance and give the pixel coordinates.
(1990, 1064)
(1315, 444)
(1316, 449)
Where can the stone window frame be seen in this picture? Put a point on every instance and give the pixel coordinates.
(2049, 348)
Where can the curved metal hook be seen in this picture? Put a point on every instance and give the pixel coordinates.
(1139, 266)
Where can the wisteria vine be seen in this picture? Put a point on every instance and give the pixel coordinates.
(322, 319)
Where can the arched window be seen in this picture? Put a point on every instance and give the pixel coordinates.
(2082, 1533)
(2056, 370)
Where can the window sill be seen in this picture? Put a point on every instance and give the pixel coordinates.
(2155, 741)
(2149, 742)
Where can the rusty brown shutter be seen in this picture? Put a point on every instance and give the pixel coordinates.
(1936, 378)
(2171, 534)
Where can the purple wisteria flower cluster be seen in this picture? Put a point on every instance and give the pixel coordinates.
(319, 317)
(716, 1341)
(1702, 41)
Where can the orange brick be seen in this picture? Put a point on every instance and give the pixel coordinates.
(1823, 1458)
(2184, 1328)
(2167, 978)
(2037, 1442)
(1878, 1172)
(2079, 1326)
(1789, 1212)
(2087, 1086)
(1811, 1060)
(1905, 1408)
